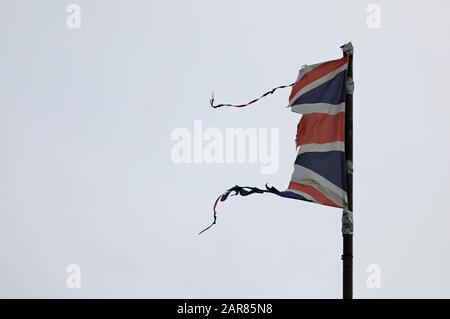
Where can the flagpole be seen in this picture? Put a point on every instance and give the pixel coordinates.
(347, 214)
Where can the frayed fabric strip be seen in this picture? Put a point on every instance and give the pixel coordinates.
(238, 190)
(211, 101)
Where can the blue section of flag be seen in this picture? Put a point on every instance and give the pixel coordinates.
(330, 165)
(293, 195)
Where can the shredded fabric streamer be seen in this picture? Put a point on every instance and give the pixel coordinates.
(211, 101)
(238, 190)
(242, 190)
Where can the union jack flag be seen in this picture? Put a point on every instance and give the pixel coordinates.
(320, 168)
(319, 176)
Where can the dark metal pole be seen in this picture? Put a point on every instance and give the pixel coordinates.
(347, 215)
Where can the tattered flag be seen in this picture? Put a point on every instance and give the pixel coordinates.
(319, 175)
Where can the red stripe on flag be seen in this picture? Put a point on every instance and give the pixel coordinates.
(320, 128)
(313, 192)
(317, 73)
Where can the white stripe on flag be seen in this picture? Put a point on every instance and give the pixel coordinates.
(326, 108)
(325, 147)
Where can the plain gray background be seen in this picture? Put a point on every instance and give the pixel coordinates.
(86, 175)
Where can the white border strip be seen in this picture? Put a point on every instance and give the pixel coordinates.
(324, 147)
(325, 108)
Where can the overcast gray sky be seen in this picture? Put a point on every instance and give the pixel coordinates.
(86, 175)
